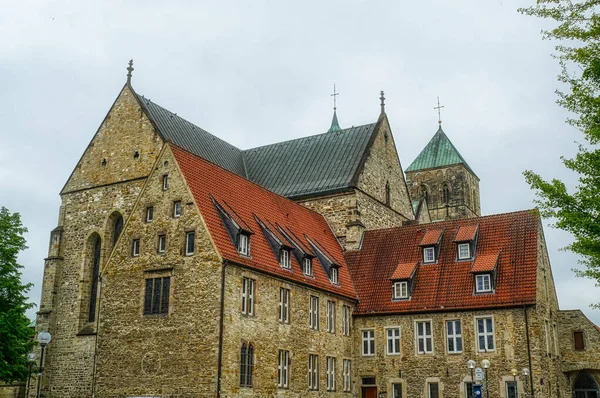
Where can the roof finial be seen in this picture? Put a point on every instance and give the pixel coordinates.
(382, 98)
(334, 99)
(439, 112)
(129, 70)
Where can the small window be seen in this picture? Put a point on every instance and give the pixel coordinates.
(284, 305)
(190, 238)
(464, 251)
(165, 182)
(162, 243)
(454, 336)
(248, 296)
(347, 375)
(485, 334)
(393, 341)
(330, 316)
(368, 342)
(424, 337)
(283, 371)
(429, 255)
(246, 365)
(243, 244)
(400, 290)
(468, 390)
(433, 390)
(177, 209)
(149, 214)
(333, 275)
(578, 341)
(313, 372)
(511, 389)
(330, 380)
(346, 319)
(483, 283)
(307, 266)
(285, 259)
(135, 248)
(156, 297)
(313, 313)
(387, 193)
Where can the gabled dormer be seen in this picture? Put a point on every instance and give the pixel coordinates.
(430, 244)
(303, 253)
(281, 246)
(238, 230)
(466, 242)
(485, 272)
(403, 280)
(330, 266)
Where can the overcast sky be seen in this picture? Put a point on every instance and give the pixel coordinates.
(258, 72)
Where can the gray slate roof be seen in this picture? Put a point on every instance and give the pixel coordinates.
(302, 167)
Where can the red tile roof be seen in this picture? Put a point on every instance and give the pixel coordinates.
(466, 233)
(431, 237)
(404, 270)
(485, 262)
(448, 284)
(247, 199)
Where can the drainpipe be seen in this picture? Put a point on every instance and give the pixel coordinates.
(532, 390)
(99, 298)
(221, 315)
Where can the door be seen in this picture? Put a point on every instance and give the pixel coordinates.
(369, 392)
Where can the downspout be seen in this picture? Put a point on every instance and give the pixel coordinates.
(96, 340)
(531, 389)
(221, 315)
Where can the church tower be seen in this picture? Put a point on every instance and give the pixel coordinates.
(442, 178)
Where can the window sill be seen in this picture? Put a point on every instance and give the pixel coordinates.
(87, 330)
(395, 354)
(368, 355)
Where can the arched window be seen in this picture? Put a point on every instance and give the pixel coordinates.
(118, 227)
(96, 251)
(446, 194)
(246, 365)
(585, 386)
(423, 193)
(387, 193)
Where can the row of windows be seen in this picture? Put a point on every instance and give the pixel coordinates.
(175, 211)
(433, 390)
(483, 284)
(463, 252)
(247, 364)
(161, 245)
(424, 342)
(248, 301)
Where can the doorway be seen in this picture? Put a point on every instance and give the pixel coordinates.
(585, 386)
(369, 392)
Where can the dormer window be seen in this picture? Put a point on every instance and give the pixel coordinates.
(483, 283)
(464, 251)
(400, 290)
(466, 241)
(307, 266)
(333, 275)
(243, 244)
(429, 255)
(285, 259)
(431, 241)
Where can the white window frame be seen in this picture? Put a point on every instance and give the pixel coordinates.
(307, 266)
(392, 337)
(425, 336)
(313, 313)
(427, 253)
(330, 316)
(483, 278)
(135, 248)
(454, 336)
(463, 245)
(333, 275)
(243, 244)
(248, 285)
(368, 337)
(313, 372)
(400, 290)
(162, 243)
(190, 250)
(485, 333)
(346, 320)
(283, 369)
(149, 213)
(330, 373)
(347, 375)
(177, 209)
(284, 305)
(285, 258)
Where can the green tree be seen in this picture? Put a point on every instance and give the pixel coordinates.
(15, 333)
(577, 32)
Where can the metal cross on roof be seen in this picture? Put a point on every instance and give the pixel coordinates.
(334, 99)
(439, 112)
(129, 70)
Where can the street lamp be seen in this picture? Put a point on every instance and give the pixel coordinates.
(525, 373)
(471, 365)
(43, 338)
(31, 357)
(515, 372)
(486, 364)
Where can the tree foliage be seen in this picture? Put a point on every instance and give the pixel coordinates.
(15, 333)
(577, 32)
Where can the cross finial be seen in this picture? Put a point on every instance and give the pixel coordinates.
(129, 70)
(439, 111)
(334, 99)
(382, 98)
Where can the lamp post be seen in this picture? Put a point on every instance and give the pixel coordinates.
(525, 373)
(43, 338)
(515, 372)
(31, 357)
(471, 365)
(486, 364)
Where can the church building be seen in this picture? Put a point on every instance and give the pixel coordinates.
(183, 266)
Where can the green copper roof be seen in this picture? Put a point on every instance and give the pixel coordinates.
(335, 126)
(438, 152)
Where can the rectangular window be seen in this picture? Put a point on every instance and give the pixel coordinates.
(248, 296)
(547, 333)
(464, 251)
(397, 390)
(284, 305)
(429, 254)
(454, 336)
(393, 341)
(424, 337)
(190, 238)
(149, 214)
(283, 373)
(578, 341)
(162, 243)
(468, 390)
(433, 390)
(284, 258)
(165, 182)
(368, 342)
(243, 244)
(347, 375)
(485, 334)
(177, 209)
(400, 290)
(346, 318)
(313, 313)
(135, 248)
(156, 297)
(313, 372)
(331, 316)
(483, 283)
(511, 389)
(307, 266)
(333, 275)
(330, 382)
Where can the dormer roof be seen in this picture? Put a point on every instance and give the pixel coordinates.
(485, 262)
(466, 233)
(404, 271)
(432, 237)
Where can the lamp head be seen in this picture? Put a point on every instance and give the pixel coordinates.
(485, 363)
(525, 372)
(471, 364)
(514, 372)
(44, 338)
(31, 357)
